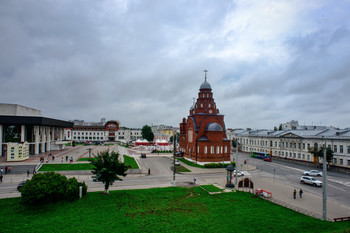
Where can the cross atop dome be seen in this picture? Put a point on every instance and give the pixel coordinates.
(205, 76)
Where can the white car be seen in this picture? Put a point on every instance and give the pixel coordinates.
(177, 162)
(312, 173)
(310, 180)
(239, 173)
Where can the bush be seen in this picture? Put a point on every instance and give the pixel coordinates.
(218, 165)
(50, 187)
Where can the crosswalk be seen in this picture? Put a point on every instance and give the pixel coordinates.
(346, 183)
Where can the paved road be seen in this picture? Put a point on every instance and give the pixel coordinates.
(338, 184)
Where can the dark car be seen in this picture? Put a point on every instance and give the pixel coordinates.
(143, 155)
(179, 154)
(20, 185)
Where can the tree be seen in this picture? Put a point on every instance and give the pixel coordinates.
(107, 167)
(275, 128)
(147, 133)
(280, 127)
(234, 143)
(319, 153)
(50, 187)
(177, 135)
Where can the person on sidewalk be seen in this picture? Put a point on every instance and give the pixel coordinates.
(149, 171)
(295, 193)
(66, 158)
(9, 169)
(28, 172)
(301, 193)
(1, 178)
(194, 180)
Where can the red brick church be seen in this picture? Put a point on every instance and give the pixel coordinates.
(203, 135)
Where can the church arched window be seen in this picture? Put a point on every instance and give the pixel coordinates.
(217, 150)
(205, 149)
(212, 150)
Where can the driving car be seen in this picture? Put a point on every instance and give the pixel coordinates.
(268, 159)
(313, 173)
(310, 180)
(20, 185)
(239, 173)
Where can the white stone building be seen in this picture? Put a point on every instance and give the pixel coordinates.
(295, 144)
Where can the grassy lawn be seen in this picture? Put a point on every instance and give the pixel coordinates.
(181, 169)
(65, 167)
(191, 163)
(130, 161)
(85, 159)
(160, 210)
(211, 188)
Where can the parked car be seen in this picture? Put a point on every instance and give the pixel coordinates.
(313, 173)
(143, 155)
(239, 173)
(177, 162)
(310, 180)
(20, 185)
(268, 159)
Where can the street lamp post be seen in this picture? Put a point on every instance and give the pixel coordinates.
(324, 214)
(236, 163)
(174, 168)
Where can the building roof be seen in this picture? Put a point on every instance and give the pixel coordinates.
(213, 127)
(32, 120)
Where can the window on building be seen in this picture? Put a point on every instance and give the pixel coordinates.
(217, 150)
(212, 150)
(348, 149)
(225, 149)
(275, 144)
(341, 161)
(299, 156)
(303, 156)
(308, 146)
(308, 157)
(205, 150)
(197, 149)
(271, 143)
(335, 148)
(282, 144)
(348, 162)
(335, 160)
(341, 149)
(299, 145)
(286, 144)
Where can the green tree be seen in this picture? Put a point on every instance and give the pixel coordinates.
(234, 143)
(107, 167)
(280, 127)
(172, 138)
(275, 128)
(147, 133)
(318, 152)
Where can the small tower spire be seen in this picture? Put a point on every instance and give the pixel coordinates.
(205, 76)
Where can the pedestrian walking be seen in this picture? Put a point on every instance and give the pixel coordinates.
(34, 171)
(71, 159)
(6, 170)
(1, 171)
(66, 158)
(149, 171)
(62, 160)
(53, 158)
(301, 193)
(194, 180)
(295, 193)
(1, 178)
(9, 169)
(28, 172)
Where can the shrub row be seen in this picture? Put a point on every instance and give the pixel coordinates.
(218, 165)
(51, 187)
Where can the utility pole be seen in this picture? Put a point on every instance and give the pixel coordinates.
(174, 139)
(324, 214)
(236, 163)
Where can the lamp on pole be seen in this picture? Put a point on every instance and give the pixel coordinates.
(174, 168)
(236, 163)
(324, 193)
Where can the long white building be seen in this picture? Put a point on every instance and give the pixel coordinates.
(294, 144)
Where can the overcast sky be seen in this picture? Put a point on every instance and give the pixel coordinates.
(141, 62)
